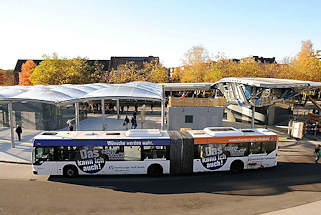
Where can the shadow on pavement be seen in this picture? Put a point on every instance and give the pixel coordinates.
(264, 182)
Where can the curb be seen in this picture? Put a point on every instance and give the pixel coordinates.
(15, 162)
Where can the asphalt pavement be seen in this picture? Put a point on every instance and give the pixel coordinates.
(293, 187)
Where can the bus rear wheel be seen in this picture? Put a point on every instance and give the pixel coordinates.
(237, 167)
(70, 171)
(155, 170)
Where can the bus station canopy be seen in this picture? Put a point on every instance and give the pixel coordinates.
(67, 93)
(261, 92)
(271, 82)
(186, 86)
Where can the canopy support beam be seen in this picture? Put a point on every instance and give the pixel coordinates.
(252, 118)
(117, 104)
(103, 114)
(11, 124)
(254, 96)
(163, 109)
(77, 115)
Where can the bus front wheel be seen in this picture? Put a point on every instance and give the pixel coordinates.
(237, 166)
(70, 171)
(155, 170)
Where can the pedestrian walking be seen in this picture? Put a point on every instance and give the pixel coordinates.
(126, 121)
(19, 132)
(317, 153)
(134, 122)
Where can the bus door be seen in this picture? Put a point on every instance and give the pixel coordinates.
(256, 156)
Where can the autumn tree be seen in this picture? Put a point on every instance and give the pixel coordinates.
(2, 77)
(26, 70)
(195, 64)
(155, 72)
(126, 73)
(54, 70)
(214, 73)
(306, 65)
(98, 75)
(8, 77)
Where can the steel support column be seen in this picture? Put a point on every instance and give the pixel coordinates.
(103, 114)
(253, 118)
(163, 109)
(77, 115)
(11, 124)
(117, 103)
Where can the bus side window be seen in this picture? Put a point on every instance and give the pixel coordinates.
(44, 154)
(268, 147)
(255, 148)
(132, 153)
(154, 152)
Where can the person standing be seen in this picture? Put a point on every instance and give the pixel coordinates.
(134, 122)
(317, 153)
(19, 132)
(126, 121)
(135, 114)
(70, 127)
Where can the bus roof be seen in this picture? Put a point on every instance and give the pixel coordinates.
(229, 132)
(232, 135)
(140, 137)
(136, 137)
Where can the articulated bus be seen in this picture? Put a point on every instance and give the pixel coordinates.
(153, 152)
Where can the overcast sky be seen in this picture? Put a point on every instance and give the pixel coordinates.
(99, 29)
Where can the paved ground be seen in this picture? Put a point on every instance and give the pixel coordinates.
(295, 182)
(22, 152)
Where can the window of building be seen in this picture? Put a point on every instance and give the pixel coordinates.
(188, 119)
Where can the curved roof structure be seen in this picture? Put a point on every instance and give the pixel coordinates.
(68, 93)
(270, 82)
(123, 92)
(237, 90)
(261, 92)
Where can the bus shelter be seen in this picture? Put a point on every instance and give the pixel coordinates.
(251, 93)
(74, 94)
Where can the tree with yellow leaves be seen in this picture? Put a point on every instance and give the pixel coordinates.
(126, 73)
(26, 71)
(306, 65)
(54, 70)
(196, 63)
(155, 72)
(2, 77)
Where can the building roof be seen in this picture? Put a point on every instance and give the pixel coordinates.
(19, 63)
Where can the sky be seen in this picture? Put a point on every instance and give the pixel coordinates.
(99, 29)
